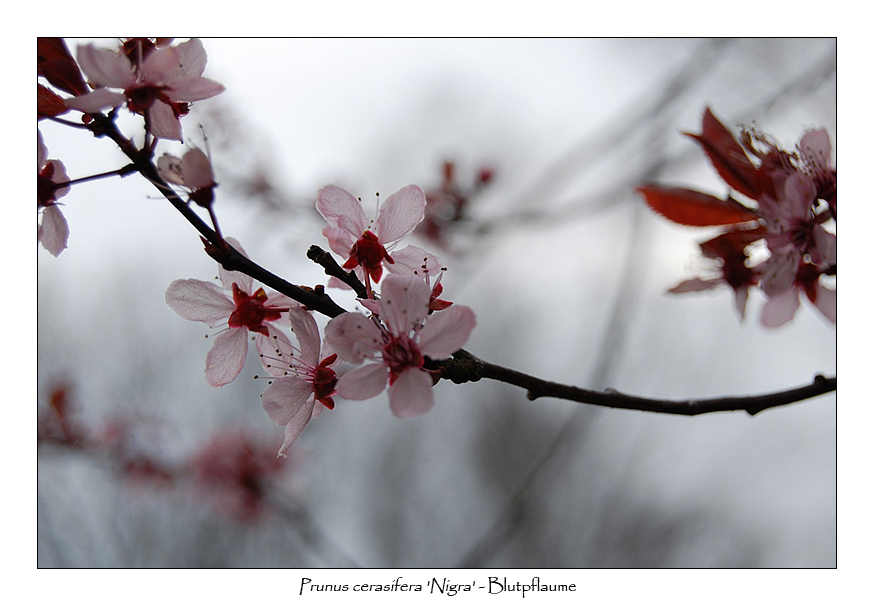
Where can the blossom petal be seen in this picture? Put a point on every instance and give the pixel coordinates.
(243, 281)
(288, 398)
(353, 336)
(780, 308)
(199, 300)
(96, 101)
(225, 359)
(163, 123)
(446, 331)
(104, 67)
(53, 232)
(410, 394)
(343, 212)
(192, 57)
(401, 212)
(307, 331)
(170, 169)
(197, 171)
(413, 260)
(194, 89)
(403, 303)
(363, 382)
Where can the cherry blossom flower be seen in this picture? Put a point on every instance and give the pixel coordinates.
(247, 309)
(308, 380)
(52, 232)
(159, 86)
(397, 341)
(366, 243)
(193, 172)
(414, 261)
(234, 468)
(781, 306)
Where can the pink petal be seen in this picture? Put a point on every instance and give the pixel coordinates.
(779, 271)
(194, 89)
(163, 123)
(275, 352)
(307, 331)
(404, 302)
(343, 212)
(53, 231)
(192, 57)
(96, 101)
(197, 170)
(799, 195)
(401, 212)
(410, 395)
(199, 300)
(363, 382)
(243, 281)
(826, 245)
(59, 176)
(353, 337)
(816, 148)
(287, 398)
(339, 240)
(225, 359)
(104, 67)
(826, 302)
(695, 284)
(780, 308)
(161, 66)
(446, 331)
(411, 259)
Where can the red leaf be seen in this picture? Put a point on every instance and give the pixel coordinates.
(692, 208)
(55, 64)
(48, 103)
(729, 158)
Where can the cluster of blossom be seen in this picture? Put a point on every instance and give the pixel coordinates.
(232, 469)
(783, 240)
(447, 204)
(402, 326)
(149, 76)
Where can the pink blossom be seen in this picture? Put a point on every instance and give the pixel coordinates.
(307, 379)
(52, 232)
(194, 172)
(364, 242)
(414, 261)
(781, 306)
(159, 83)
(247, 309)
(397, 341)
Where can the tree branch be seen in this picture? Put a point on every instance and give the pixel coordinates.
(465, 367)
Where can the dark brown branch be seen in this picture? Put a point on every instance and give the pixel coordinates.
(465, 367)
(324, 259)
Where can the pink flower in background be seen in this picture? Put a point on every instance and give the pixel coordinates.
(307, 379)
(52, 232)
(159, 87)
(397, 344)
(235, 469)
(365, 243)
(244, 311)
(193, 171)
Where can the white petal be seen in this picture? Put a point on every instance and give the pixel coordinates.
(199, 300)
(287, 398)
(446, 331)
(170, 169)
(363, 382)
(96, 101)
(401, 212)
(197, 170)
(225, 359)
(193, 89)
(411, 395)
(403, 302)
(411, 259)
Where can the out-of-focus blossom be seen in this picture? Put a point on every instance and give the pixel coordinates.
(52, 230)
(159, 85)
(193, 171)
(246, 309)
(781, 306)
(367, 243)
(234, 468)
(307, 380)
(397, 341)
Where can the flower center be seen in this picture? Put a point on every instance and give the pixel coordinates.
(142, 96)
(251, 311)
(401, 353)
(368, 253)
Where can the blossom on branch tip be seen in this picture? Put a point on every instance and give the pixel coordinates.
(158, 83)
(245, 310)
(307, 378)
(397, 340)
(367, 243)
(193, 172)
(52, 231)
